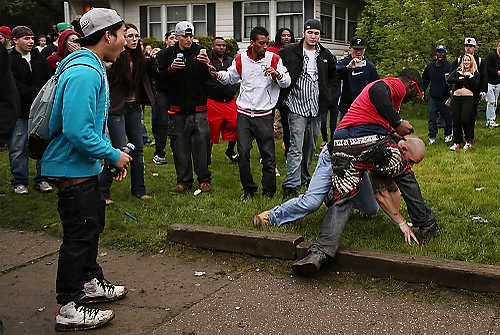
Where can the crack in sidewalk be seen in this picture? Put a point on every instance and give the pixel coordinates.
(28, 263)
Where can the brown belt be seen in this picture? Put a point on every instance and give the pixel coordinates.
(66, 182)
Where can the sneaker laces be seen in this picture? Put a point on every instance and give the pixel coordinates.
(106, 285)
(91, 312)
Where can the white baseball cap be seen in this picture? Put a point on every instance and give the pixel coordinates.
(98, 19)
(470, 41)
(181, 27)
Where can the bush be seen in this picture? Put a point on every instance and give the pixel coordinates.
(153, 42)
(205, 42)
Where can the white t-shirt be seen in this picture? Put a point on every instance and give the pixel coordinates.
(312, 69)
(40, 48)
(28, 59)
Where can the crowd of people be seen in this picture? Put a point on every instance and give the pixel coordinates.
(106, 77)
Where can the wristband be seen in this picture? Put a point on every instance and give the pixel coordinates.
(402, 223)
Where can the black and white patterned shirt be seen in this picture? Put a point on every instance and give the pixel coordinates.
(304, 97)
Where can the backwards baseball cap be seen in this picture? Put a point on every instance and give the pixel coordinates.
(4, 30)
(21, 31)
(470, 41)
(98, 19)
(312, 24)
(171, 32)
(61, 26)
(441, 48)
(181, 28)
(357, 42)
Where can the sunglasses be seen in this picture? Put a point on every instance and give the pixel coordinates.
(419, 92)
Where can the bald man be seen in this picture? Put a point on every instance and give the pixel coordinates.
(410, 151)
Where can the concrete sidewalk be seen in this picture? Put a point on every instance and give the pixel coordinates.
(233, 297)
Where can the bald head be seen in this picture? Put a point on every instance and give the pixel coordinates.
(413, 148)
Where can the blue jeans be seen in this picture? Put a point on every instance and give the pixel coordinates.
(320, 185)
(18, 155)
(437, 106)
(145, 136)
(303, 136)
(120, 127)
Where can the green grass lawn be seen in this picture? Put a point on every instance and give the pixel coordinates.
(448, 181)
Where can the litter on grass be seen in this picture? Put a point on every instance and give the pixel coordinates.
(478, 219)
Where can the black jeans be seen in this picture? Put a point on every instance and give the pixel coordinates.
(420, 214)
(82, 211)
(261, 129)
(464, 118)
(284, 111)
(192, 138)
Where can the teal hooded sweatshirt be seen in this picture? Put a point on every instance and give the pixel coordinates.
(79, 114)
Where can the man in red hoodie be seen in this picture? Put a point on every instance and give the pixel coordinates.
(65, 46)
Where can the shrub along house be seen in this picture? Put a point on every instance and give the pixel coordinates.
(235, 19)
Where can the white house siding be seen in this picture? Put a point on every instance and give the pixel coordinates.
(224, 18)
(129, 9)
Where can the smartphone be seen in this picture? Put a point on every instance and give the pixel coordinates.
(203, 51)
(361, 63)
(180, 56)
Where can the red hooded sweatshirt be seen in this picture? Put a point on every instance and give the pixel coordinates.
(56, 58)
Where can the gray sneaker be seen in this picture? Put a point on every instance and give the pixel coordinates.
(21, 189)
(43, 187)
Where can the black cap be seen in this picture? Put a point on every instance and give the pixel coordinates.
(312, 24)
(357, 42)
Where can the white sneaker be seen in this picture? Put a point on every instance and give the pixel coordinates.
(277, 172)
(43, 187)
(432, 141)
(159, 160)
(467, 145)
(492, 124)
(72, 317)
(102, 291)
(448, 139)
(21, 189)
(455, 147)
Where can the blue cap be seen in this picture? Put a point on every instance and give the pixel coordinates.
(441, 48)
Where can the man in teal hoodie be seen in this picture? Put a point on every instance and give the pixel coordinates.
(73, 161)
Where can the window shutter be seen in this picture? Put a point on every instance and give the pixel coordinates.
(237, 13)
(143, 20)
(211, 19)
(308, 10)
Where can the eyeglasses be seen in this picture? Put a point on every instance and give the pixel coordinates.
(133, 37)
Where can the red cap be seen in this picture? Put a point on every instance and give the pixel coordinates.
(4, 30)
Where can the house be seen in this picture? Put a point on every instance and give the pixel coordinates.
(235, 19)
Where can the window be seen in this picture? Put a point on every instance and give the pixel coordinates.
(352, 23)
(154, 20)
(174, 15)
(200, 19)
(289, 15)
(255, 14)
(326, 19)
(340, 21)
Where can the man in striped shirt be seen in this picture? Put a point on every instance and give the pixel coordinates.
(313, 72)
